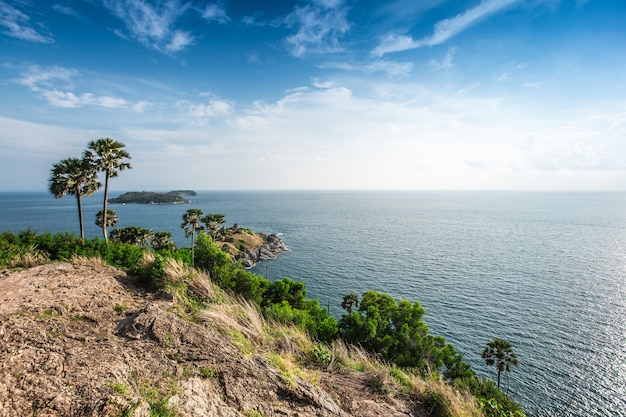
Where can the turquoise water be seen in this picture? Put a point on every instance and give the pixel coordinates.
(546, 271)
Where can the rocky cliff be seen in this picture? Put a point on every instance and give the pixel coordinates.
(80, 340)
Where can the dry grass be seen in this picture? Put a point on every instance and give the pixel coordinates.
(239, 315)
(95, 261)
(28, 257)
(198, 282)
(441, 399)
(353, 357)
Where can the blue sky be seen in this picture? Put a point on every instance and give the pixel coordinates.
(324, 94)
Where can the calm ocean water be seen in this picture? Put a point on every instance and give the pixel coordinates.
(546, 271)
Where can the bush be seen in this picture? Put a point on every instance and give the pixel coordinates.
(493, 401)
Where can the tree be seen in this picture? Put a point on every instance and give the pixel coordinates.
(191, 224)
(77, 177)
(500, 352)
(350, 301)
(106, 155)
(111, 218)
(213, 222)
(162, 241)
(132, 234)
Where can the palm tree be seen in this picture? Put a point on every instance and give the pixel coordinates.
(213, 222)
(73, 176)
(111, 218)
(500, 352)
(106, 155)
(191, 223)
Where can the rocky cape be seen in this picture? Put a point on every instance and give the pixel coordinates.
(79, 339)
(272, 247)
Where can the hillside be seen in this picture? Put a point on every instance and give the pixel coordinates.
(79, 339)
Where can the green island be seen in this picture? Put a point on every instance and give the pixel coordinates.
(151, 197)
(132, 325)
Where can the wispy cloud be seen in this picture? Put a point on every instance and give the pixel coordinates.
(18, 25)
(37, 77)
(68, 11)
(509, 71)
(391, 68)
(153, 25)
(55, 84)
(318, 27)
(444, 29)
(445, 62)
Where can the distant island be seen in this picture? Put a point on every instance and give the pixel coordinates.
(151, 197)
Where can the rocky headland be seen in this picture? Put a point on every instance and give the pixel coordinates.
(251, 248)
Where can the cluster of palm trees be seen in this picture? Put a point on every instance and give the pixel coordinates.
(193, 222)
(79, 177)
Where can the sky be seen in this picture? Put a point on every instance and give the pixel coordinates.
(319, 94)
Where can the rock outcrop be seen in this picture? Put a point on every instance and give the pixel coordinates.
(273, 247)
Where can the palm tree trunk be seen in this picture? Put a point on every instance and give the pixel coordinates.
(193, 235)
(80, 216)
(104, 210)
(499, 378)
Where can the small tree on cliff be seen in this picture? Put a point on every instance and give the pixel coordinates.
(500, 352)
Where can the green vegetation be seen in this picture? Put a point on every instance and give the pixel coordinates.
(150, 197)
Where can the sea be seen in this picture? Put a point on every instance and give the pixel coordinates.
(543, 270)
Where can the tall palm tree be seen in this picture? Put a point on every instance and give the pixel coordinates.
(191, 223)
(500, 352)
(106, 155)
(77, 177)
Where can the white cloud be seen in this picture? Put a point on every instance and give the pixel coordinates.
(214, 12)
(444, 29)
(71, 100)
(202, 112)
(152, 24)
(140, 106)
(395, 43)
(18, 25)
(179, 41)
(318, 28)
